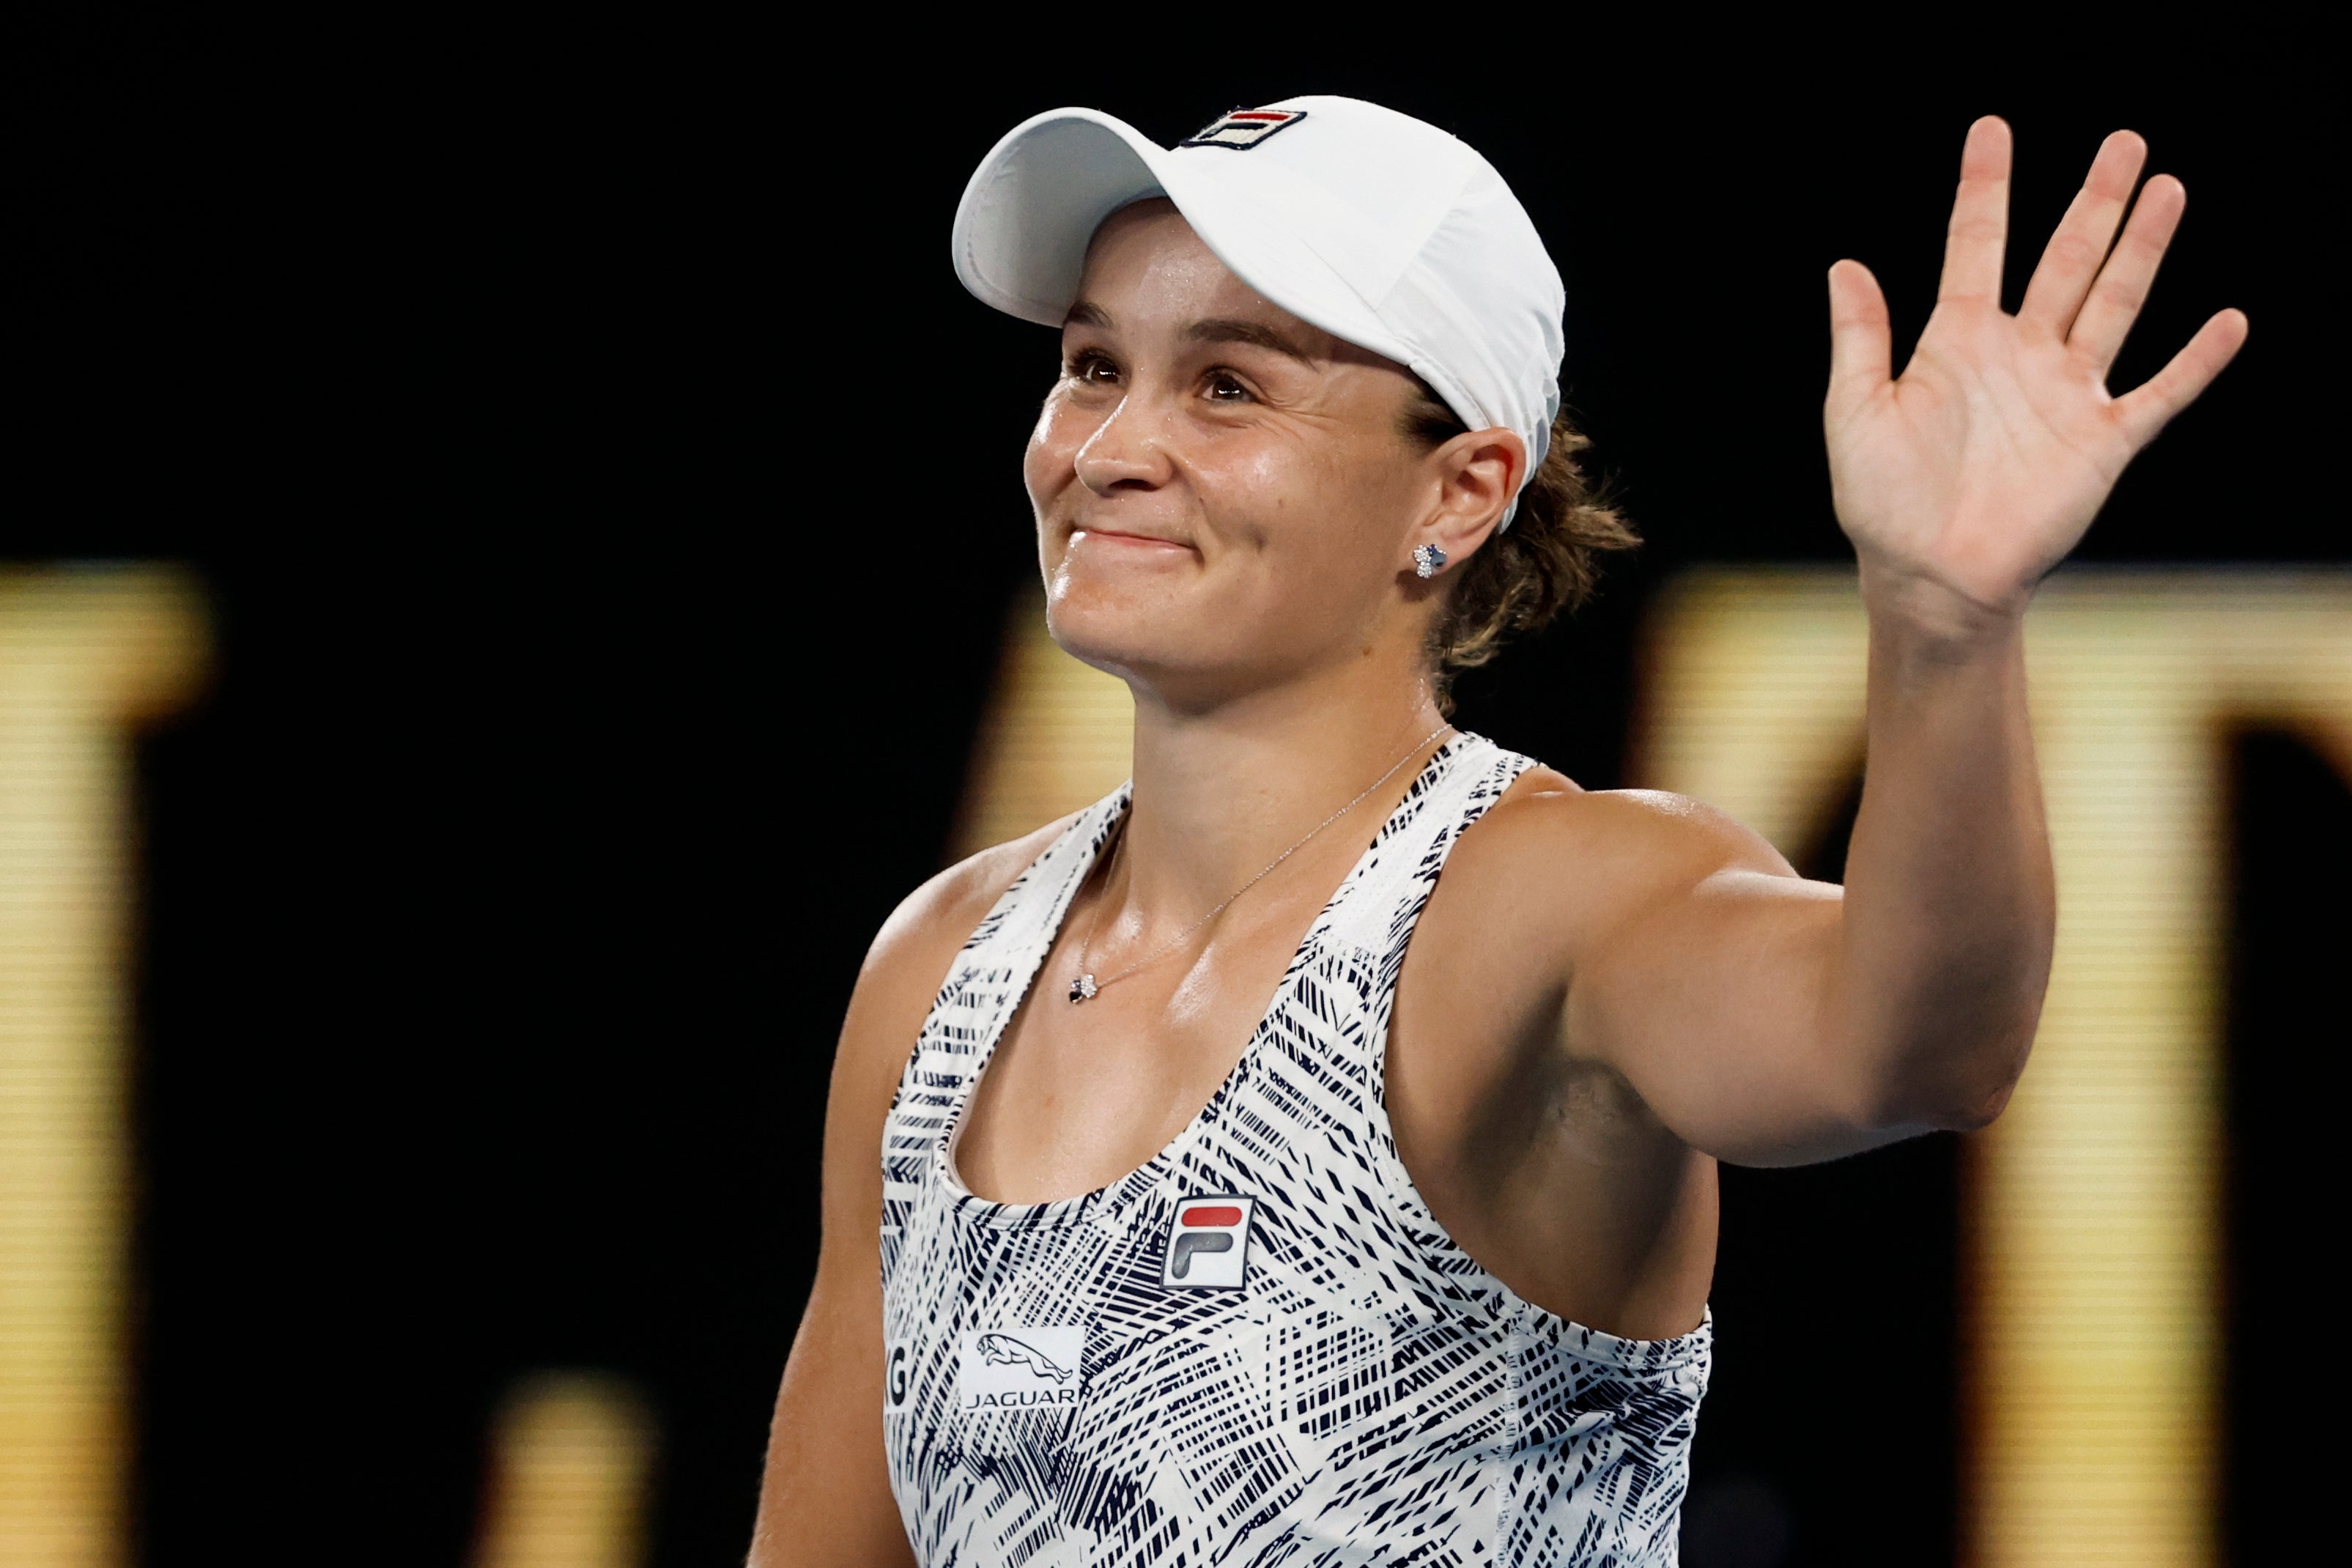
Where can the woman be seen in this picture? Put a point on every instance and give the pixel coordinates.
(1308, 1152)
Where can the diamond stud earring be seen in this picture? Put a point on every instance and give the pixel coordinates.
(1427, 560)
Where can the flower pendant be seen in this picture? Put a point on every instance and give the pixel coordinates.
(1082, 988)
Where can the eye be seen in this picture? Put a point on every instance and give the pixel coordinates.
(1088, 367)
(1224, 386)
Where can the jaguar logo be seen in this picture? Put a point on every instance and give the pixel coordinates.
(1028, 1368)
(1004, 1350)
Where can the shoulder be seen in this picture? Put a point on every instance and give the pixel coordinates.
(903, 970)
(910, 956)
(1545, 813)
(930, 925)
(1581, 858)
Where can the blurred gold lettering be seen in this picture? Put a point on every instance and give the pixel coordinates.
(85, 654)
(569, 1462)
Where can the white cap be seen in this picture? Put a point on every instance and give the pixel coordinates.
(1381, 230)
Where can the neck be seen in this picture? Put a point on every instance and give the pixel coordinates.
(1221, 791)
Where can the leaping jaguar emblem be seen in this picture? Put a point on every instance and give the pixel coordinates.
(1004, 1350)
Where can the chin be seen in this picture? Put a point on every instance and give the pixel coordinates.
(1189, 647)
(1124, 627)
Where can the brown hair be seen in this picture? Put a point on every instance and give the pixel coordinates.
(1547, 562)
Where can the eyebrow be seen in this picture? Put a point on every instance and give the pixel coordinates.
(1213, 329)
(1222, 329)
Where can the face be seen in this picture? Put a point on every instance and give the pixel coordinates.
(1225, 496)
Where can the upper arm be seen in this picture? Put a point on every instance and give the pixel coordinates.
(1704, 970)
(826, 1473)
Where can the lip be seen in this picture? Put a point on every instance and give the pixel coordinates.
(1125, 540)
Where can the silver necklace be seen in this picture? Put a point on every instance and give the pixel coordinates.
(1086, 986)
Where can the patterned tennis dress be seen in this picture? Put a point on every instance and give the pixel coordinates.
(1260, 1347)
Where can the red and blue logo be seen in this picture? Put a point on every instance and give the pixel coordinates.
(1208, 1246)
(1243, 128)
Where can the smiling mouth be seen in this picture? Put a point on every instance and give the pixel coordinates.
(1113, 536)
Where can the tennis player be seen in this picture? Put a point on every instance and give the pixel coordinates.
(1308, 1155)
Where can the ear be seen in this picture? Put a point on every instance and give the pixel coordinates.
(1473, 477)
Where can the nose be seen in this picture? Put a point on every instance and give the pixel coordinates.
(1125, 450)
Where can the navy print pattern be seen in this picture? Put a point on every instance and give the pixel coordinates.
(1368, 1393)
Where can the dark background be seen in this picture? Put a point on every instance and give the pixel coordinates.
(609, 506)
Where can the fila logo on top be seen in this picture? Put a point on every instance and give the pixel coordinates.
(1208, 1246)
(1243, 128)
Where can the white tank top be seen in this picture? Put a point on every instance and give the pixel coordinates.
(1260, 1347)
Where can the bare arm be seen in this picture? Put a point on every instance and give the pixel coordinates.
(1769, 1020)
(825, 1498)
(826, 1495)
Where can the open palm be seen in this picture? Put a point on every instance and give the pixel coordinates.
(1982, 465)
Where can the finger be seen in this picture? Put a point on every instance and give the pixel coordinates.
(1980, 231)
(2116, 298)
(2147, 409)
(2080, 242)
(1859, 347)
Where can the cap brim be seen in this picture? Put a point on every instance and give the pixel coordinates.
(1032, 206)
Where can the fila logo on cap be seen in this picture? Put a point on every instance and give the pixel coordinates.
(1208, 1246)
(1243, 128)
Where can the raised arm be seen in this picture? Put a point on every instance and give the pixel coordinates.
(1765, 1019)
